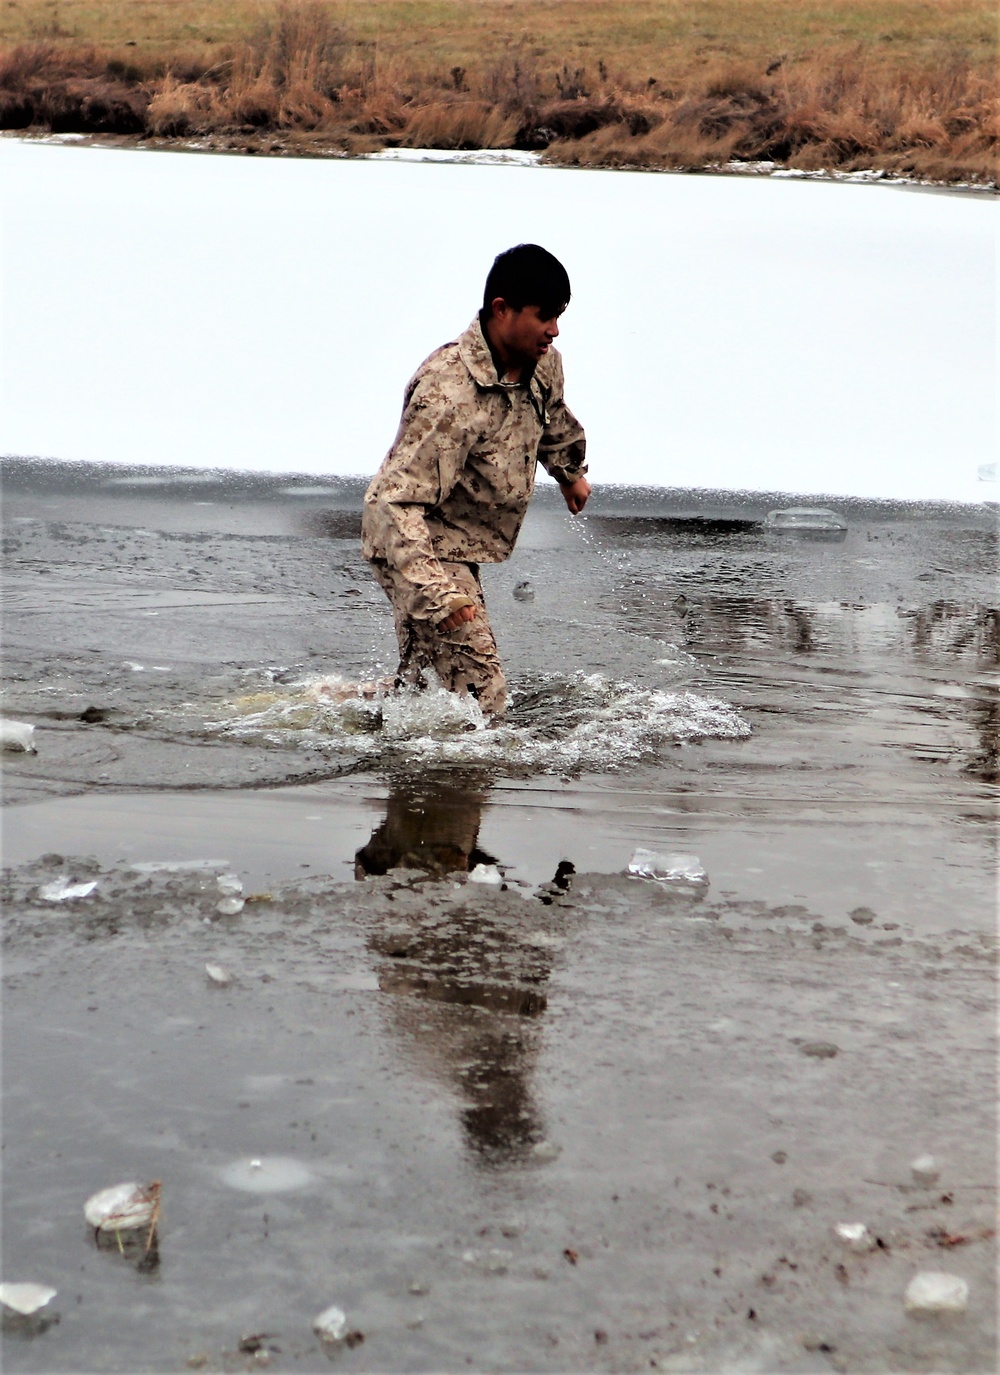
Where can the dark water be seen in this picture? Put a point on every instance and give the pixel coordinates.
(575, 1124)
(683, 677)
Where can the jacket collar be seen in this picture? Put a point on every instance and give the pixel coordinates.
(477, 356)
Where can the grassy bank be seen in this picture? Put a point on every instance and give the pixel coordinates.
(893, 84)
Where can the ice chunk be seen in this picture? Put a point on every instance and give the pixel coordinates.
(935, 1291)
(682, 870)
(230, 907)
(855, 1236)
(229, 885)
(123, 1207)
(987, 472)
(61, 890)
(925, 1170)
(26, 1298)
(17, 736)
(545, 1151)
(524, 592)
(331, 1325)
(218, 975)
(815, 519)
(486, 873)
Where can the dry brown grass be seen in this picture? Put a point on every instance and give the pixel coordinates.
(924, 103)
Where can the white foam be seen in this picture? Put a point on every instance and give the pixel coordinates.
(554, 723)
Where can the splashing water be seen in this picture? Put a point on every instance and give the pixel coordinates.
(554, 723)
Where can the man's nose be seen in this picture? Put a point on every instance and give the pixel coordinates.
(552, 329)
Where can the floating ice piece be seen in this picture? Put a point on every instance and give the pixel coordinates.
(925, 1170)
(18, 737)
(268, 1175)
(229, 907)
(218, 975)
(545, 1151)
(486, 873)
(935, 1292)
(524, 592)
(987, 472)
(855, 1236)
(123, 1207)
(331, 1325)
(680, 869)
(61, 890)
(815, 519)
(229, 884)
(26, 1298)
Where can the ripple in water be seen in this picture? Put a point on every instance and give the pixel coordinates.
(554, 723)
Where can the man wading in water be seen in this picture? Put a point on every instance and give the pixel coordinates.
(454, 488)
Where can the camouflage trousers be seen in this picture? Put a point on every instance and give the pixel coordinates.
(465, 660)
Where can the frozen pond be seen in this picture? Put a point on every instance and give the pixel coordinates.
(589, 1122)
(725, 333)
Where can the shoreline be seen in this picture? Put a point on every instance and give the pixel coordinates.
(268, 144)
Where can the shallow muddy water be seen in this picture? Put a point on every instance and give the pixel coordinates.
(595, 1123)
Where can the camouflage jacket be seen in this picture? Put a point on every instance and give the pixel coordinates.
(456, 483)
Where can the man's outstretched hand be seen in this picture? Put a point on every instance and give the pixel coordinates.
(457, 618)
(575, 494)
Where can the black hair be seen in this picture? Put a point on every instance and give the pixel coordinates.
(528, 275)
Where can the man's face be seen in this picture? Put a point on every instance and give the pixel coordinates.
(525, 334)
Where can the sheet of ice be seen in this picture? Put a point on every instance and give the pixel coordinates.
(734, 333)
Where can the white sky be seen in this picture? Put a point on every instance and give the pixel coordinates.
(727, 333)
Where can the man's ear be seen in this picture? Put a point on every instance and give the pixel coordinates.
(500, 308)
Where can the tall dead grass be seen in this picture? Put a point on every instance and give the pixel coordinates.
(301, 75)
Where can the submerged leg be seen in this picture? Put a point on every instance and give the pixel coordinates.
(465, 660)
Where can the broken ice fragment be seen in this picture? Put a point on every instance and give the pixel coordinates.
(61, 890)
(486, 873)
(808, 519)
(925, 1171)
(229, 884)
(545, 1151)
(218, 975)
(123, 1207)
(855, 1236)
(26, 1298)
(229, 907)
(524, 592)
(681, 869)
(331, 1325)
(934, 1291)
(17, 736)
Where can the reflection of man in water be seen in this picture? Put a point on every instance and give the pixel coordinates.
(470, 987)
(430, 827)
(454, 488)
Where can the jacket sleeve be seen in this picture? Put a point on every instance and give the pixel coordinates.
(419, 473)
(562, 451)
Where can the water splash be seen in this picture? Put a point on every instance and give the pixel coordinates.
(555, 723)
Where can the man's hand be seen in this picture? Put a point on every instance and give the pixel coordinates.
(457, 618)
(575, 494)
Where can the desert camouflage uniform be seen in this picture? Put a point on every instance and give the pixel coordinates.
(452, 494)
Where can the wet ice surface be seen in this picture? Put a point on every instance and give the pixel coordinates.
(509, 1126)
(687, 1090)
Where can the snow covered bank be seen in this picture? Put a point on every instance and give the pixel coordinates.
(725, 333)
